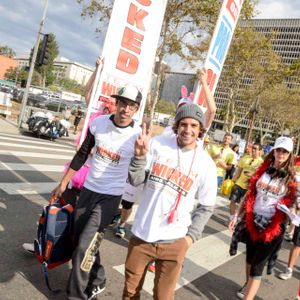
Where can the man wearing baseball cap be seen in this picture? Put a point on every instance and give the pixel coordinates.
(112, 139)
(175, 171)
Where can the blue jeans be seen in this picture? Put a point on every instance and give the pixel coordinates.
(220, 180)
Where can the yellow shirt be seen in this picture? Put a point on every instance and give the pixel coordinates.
(248, 166)
(227, 156)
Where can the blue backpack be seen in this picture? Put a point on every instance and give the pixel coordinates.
(54, 244)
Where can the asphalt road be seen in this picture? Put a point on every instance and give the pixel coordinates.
(30, 168)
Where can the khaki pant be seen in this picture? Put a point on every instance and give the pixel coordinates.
(168, 263)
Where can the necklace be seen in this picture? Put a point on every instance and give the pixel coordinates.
(173, 215)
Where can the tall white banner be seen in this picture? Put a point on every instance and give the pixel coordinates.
(129, 50)
(219, 46)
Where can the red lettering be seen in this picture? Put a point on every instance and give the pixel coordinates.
(233, 9)
(132, 40)
(108, 89)
(145, 2)
(211, 79)
(188, 184)
(182, 180)
(127, 62)
(168, 173)
(175, 177)
(157, 169)
(136, 17)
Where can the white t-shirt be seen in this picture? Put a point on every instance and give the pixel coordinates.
(131, 193)
(162, 187)
(269, 192)
(114, 148)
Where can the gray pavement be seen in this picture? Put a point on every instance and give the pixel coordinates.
(21, 275)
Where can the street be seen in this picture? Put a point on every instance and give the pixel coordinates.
(30, 168)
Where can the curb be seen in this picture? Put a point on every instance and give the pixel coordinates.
(9, 122)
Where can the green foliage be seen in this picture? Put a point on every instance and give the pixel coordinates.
(53, 88)
(71, 85)
(7, 51)
(11, 74)
(251, 68)
(46, 71)
(166, 107)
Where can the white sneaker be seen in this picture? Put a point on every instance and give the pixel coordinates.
(241, 293)
(28, 247)
(288, 237)
(286, 275)
(96, 290)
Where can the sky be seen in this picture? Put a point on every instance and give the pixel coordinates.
(76, 36)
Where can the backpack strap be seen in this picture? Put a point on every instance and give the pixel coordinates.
(46, 276)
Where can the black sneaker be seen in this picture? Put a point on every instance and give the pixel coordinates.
(96, 290)
(115, 221)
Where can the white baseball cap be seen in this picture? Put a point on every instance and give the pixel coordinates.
(285, 143)
(129, 92)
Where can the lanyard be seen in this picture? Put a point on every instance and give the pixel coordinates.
(173, 215)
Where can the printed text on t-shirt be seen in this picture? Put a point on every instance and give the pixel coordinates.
(171, 177)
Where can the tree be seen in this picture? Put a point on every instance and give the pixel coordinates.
(11, 74)
(71, 85)
(251, 68)
(7, 51)
(166, 107)
(185, 32)
(46, 71)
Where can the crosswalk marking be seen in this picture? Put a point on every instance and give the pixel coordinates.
(32, 147)
(203, 256)
(22, 139)
(32, 167)
(28, 188)
(35, 155)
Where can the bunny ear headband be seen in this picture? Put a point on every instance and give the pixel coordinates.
(185, 99)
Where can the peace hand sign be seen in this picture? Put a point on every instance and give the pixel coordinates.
(142, 143)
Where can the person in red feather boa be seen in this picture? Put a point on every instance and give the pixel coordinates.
(273, 183)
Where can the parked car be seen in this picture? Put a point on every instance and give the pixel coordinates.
(33, 99)
(6, 89)
(55, 104)
(16, 95)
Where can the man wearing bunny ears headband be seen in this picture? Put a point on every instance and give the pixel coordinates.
(174, 170)
(209, 98)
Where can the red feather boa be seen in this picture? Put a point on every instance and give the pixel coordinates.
(273, 229)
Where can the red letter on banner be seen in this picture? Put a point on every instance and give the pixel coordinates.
(132, 40)
(108, 89)
(127, 62)
(135, 16)
(232, 8)
(211, 78)
(144, 2)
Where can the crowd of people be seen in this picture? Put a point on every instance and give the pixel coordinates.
(179, 173)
